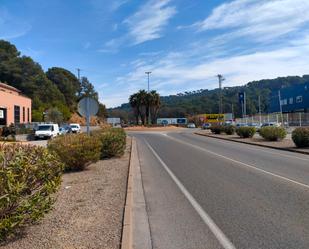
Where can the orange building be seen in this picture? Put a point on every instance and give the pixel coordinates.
(14, 107)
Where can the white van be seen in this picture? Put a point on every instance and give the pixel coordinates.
(46, 131)
(75, 128)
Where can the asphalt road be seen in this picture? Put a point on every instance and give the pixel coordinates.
(207, 193)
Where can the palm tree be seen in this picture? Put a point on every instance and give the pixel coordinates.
(145, 106)
(133, 100)
(155, 105)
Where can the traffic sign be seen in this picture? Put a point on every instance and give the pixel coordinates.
(88, 107)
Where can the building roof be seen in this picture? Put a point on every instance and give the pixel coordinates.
(8, 87)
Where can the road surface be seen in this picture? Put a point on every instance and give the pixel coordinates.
(206, 193)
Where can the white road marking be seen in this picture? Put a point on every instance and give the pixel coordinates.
(221, 237)
(241, 163)
(267, 151)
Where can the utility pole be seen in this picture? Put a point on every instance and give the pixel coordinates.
(221, 79)
(148, 73)
(280, 104)
(149, 119)
(260, 109)
(78, 73)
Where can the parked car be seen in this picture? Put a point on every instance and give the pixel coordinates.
(206, 126)
(46, 131)
(241, 125)
(191, 125)
(65, 130)
(75, 128)
(257, 126)
(275, 124)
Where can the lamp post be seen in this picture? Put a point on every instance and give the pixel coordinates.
(148, 73)
(149, 121)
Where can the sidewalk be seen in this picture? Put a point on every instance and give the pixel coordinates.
(286, 144)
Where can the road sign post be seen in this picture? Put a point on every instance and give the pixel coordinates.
(88, 107)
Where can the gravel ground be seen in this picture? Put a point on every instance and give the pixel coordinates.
(88, 212)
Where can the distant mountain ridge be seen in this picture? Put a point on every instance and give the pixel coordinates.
(207, 101)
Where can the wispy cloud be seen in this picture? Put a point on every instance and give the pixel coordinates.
(148, 22)
(175, 71)
(261, 20)
(11, 27)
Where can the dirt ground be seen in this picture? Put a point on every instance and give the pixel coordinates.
(88, 213)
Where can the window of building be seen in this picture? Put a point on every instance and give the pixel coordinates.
(299, 99)
(284, 102)
(24, 115)
(291, 101)
(16, 114)
(28, 115)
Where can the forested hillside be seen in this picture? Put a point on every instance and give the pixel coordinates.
(56, 89)
(206, 101)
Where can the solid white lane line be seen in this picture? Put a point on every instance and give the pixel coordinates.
(259, 149)
(221, 237)
(241, 163)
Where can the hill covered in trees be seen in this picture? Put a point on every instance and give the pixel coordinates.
(207, 101)
(56, 89)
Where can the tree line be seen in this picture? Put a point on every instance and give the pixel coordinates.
(58, 89)
(207, 101)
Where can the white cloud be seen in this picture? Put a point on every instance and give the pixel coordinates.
(261, 20)
(148, 22)
(173, 73)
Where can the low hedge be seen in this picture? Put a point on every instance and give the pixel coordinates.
(271, 133)
(246, 132)
(28, 177)
(217, 129)
(76, 151)
(229, 130)
(113, 142)
(300, 137)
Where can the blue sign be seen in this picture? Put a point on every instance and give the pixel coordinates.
(181, 120)
(241, 98)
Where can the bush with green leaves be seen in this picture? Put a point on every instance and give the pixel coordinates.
(76, 151)
(29, 175)
(246, 132)
(113, 142)
(217, 129)
(271, 133)
(300, 137)
(229, 130)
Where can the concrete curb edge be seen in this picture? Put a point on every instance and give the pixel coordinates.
(260, 145)
(126, 239)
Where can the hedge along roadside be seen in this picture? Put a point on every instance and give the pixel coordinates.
(76, 151)
(271, 133)
(113, 142)
(300, 137)
(28, 177)
(245, 132)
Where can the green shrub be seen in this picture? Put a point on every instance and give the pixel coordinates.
(300, 137)
(76, 151)
(245, 132)
(216, 129)
(113, 142)
(271, 133)
(229, 129)
(28, 177)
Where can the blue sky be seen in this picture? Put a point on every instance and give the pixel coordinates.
(184, 43)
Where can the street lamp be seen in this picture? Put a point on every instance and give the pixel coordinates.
(148, 73)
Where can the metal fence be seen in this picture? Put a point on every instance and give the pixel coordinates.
(287, 119)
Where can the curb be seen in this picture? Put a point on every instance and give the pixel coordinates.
(126, 238)
(260, 145)
(136, 230)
